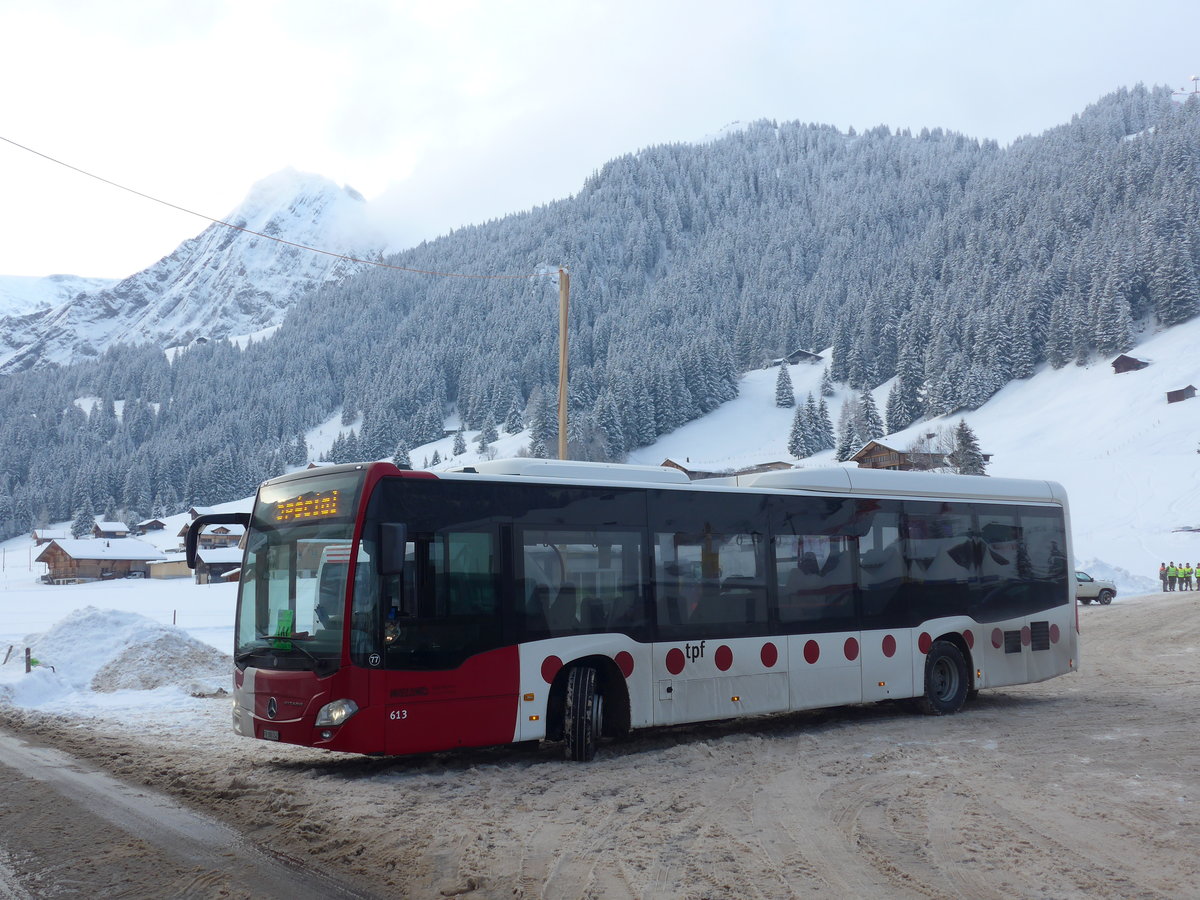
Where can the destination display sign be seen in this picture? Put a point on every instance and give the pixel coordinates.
(310, 505)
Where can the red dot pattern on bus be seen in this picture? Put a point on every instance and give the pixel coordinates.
(924, 642)
(889, 646)
(812, 652)
(624, 661)
(1054, 634)
(997, 638)
(1026, 635)
(674, 660)
(769, 655)
(851, 649)
(550, 667)
(969, 637)
(723, 658)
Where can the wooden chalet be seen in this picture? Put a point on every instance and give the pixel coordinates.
(212, 564)
(875, 455)
(71, 561)
(46, 535)
(150, 525)
(1125, 363)
(102, 529)
(214, 536)
(1186, 393)
(798, 355)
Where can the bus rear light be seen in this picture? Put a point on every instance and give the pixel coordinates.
(734, 699)
(534, 718)
(883, 684)
(528, 698)
(336, 713)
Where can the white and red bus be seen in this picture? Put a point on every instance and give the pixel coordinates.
(390, 611)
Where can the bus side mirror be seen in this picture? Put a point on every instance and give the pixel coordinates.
(393, 541)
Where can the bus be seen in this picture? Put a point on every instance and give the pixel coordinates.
(390, 611)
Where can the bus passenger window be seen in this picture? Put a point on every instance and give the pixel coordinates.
(815, 577)
(584, 581)
(710, 583)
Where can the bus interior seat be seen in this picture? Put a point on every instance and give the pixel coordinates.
(591, 613)
(537, 598)
(563, 614)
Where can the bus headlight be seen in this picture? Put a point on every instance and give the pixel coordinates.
(337, 712)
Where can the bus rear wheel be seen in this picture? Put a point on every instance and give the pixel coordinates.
(583, 715)
(946, 680)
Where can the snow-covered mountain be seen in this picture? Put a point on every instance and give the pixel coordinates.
(220, 283)
(21, 294)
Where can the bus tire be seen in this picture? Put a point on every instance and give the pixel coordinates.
(583, 715)
(946, 680)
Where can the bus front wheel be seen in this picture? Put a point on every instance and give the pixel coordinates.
(583, 715)
(946, 680)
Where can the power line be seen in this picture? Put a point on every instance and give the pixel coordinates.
(269, 237)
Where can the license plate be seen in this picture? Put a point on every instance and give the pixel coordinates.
(269, 735)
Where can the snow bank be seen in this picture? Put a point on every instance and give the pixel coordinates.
(97, 652)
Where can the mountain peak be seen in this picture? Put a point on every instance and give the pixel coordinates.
(223, 282)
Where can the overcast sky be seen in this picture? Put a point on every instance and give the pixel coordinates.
(450, 112)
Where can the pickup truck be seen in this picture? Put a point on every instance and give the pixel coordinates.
(1088, 589)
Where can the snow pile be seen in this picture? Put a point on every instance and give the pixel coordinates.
(95, 651)
(1126, 582)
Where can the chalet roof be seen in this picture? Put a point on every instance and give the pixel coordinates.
(871, 446)
(51, 534)
(104, 525)
(1126, 360)
(103, 548)
(220, 555)
(239, 530)
(151, 523)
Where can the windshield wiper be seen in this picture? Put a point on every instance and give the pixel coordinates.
(303, 636)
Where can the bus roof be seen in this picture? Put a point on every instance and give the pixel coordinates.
(832, 480)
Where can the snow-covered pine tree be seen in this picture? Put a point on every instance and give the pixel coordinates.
(869, 425)
(513, 422)
(966, 458)
(785, 394)
(436, 459)
(400, 457)
(460, 443)
(798, 444)
(822, 430)
(81, 526)
(826, 383)
(848, 439)
(487, 434)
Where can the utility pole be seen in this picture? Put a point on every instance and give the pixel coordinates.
(564, 301)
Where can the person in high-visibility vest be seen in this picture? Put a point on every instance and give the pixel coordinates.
(1162, 574)
(1186, 577)
(1172, 575)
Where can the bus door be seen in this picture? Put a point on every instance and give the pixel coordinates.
(816, 589)
(713, 658)
(887, 635)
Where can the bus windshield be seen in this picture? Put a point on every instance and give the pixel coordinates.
(292, 596)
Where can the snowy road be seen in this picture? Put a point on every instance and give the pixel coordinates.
(70, 830)
(1082, 787)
